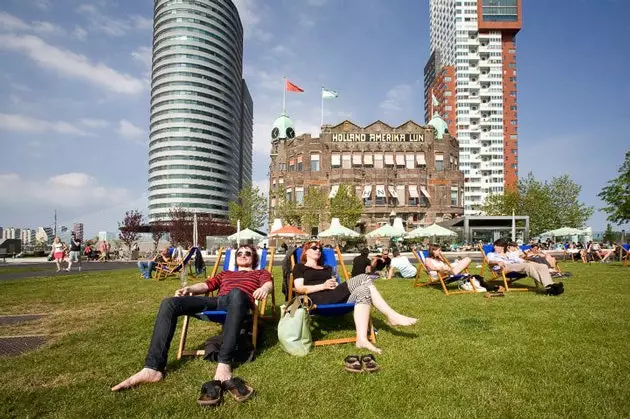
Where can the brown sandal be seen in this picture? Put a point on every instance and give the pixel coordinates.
(237, 387)
(211, 394)
(351, 363)
(369, 363)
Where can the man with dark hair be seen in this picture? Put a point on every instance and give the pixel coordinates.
(237, 292)
(380, 263)
(75, 252)
(405, 268)
(362, 263)
(512, 263)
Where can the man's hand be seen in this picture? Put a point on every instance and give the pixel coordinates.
(262, 292)
(183, 291)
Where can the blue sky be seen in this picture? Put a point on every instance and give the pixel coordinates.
(74, 91)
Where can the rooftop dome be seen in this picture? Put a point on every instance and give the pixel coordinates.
(439, 124)
(283, 128)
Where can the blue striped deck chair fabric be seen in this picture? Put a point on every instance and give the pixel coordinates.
(163, 270)
(332, 258)
(496, 272)
(625, 252)
(265, 261)
(435, 278)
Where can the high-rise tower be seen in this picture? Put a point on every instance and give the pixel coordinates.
(470, 80)
(200, 137)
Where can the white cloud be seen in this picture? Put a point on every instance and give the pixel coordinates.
(26, 124)
(144, 56)
(11, 23)
(94, 123)
(397, 99)
(128, 130)
(68, 190)
(79, 33)
(42, 4)
(99, 21)
(67, 63)
(141, 22)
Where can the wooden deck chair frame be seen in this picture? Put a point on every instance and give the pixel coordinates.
(258, 313)
(500, 274)
(328, 310)
(441, 279)
(166, 269)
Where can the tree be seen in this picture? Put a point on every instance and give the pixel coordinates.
(288, 212)
(616, 194)
(158, 230)
(549, 205)
(250, 208)
(180, 227)
(346, 206)
(209, 226)
(130, 228)
(314, 208)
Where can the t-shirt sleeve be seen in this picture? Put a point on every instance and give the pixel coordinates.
(264, 277)
(298, 271)
(215, 282)
(494, 258)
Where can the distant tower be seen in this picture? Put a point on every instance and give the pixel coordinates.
(200, 132)
(77, 229)
(470, 81)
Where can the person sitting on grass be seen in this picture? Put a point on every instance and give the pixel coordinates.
(435, 263)
(362, 263)
(405, 268)
(511, 263)
(380, 263)
(147, 266)
(237, 292)
(311, 277)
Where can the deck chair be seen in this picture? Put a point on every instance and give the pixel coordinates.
(624, 251)
(329, 310)
(218, 316)
(499, 274)
(435, 278)
(163, 270)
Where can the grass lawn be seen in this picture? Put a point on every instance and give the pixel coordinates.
(523, 355)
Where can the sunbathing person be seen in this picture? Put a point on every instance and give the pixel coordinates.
(511, 263)
(435, 263)
(318, 281)
(146, 267)
(536, 254)
(237, 292)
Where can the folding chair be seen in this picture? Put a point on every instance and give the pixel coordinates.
(219, 316)
(330, 310)
(435, 278)
(624, 251)
(498, 273)
(163, 270)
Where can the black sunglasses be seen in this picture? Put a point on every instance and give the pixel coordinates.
(315, 248)
(245, 253)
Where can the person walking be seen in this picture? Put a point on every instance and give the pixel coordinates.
(75, 252)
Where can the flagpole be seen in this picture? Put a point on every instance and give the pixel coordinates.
(322, 98)
(284, 94)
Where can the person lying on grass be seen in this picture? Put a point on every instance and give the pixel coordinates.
(313, 278)
(512, 263)
(237, 292)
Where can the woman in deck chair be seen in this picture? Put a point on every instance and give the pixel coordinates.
(237, 292)
(435, 263)
(319, 282)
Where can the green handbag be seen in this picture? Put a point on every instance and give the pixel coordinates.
(294, 328)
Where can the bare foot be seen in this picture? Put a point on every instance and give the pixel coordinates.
(366, 344)
(223, 373)
(400, 320)
(146, 375)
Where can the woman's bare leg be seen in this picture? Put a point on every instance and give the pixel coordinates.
(361, 321)
(394, 318)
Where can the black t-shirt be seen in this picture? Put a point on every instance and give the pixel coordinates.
(382, 263)
(359, 264)
(319, 276)
(75, 245)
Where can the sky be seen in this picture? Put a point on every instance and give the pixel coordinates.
(74, 92)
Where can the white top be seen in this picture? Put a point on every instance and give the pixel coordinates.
(57, 247)
(407, 270)
(508, 258)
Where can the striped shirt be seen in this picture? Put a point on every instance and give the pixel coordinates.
(247, 281)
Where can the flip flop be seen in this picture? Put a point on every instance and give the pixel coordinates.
(369, 363)
(237, 387)
(211, 394)
(351, 363)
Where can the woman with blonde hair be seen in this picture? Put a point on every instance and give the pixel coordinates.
(318, 281)
(58, 252)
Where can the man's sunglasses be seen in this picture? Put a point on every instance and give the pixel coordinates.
(316, 248)
(246, 253)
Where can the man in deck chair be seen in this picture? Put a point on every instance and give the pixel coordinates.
(237, 292)
(511, 263)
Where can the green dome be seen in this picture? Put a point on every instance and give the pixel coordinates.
(439, 124)
(283, 128)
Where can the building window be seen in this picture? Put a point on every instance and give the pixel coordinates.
(299, 195)
(410, 161)
(291, 165)
(315, 163)
(289, 195)
(368, 160)
(378, 160)
(454, 200)
(299, 163)
(346, 161)
(439, 162)
(389, 159)
(420, 162)
(380, 195)
(335, 160)
(357, 159)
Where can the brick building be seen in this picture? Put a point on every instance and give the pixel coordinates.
(409, 171)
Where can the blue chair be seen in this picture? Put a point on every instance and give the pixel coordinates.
(329, 310)
(163, 270)
(219, 316)
(435, 278)
(625, 251)
(498, 273)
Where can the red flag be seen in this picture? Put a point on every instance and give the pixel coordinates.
(293, 87)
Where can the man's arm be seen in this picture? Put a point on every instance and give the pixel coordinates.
(200, 288)
(390, 272)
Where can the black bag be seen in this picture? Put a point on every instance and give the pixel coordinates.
(245, 351)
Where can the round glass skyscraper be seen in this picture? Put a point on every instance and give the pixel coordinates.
(196, 143)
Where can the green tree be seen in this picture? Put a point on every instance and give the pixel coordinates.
(569, 212)
(130, 228)
(616, 194)
(288, 212)
(346, 206)
(314, 208)
(250, 208)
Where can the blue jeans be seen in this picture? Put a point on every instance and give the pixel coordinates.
(236, 303)
(146, 268)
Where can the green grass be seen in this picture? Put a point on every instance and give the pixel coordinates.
(524, 355)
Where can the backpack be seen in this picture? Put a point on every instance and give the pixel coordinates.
(245, 351)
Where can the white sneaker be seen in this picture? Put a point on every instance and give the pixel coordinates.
(466, 286)
(478, 285)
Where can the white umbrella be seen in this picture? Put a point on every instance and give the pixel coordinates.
(386, 231)
(433, 230)
(246, 234)
(563, 231)
(337, 230)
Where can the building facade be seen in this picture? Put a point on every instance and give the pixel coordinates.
(200, 128)
(77, 229)
(409, 171)
(470, 81)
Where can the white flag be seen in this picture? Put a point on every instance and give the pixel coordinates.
(329, 94)
(434, 100)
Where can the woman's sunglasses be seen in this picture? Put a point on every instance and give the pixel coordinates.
(316, 248)
(246, 253)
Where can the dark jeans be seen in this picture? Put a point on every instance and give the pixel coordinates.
(236, 303)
